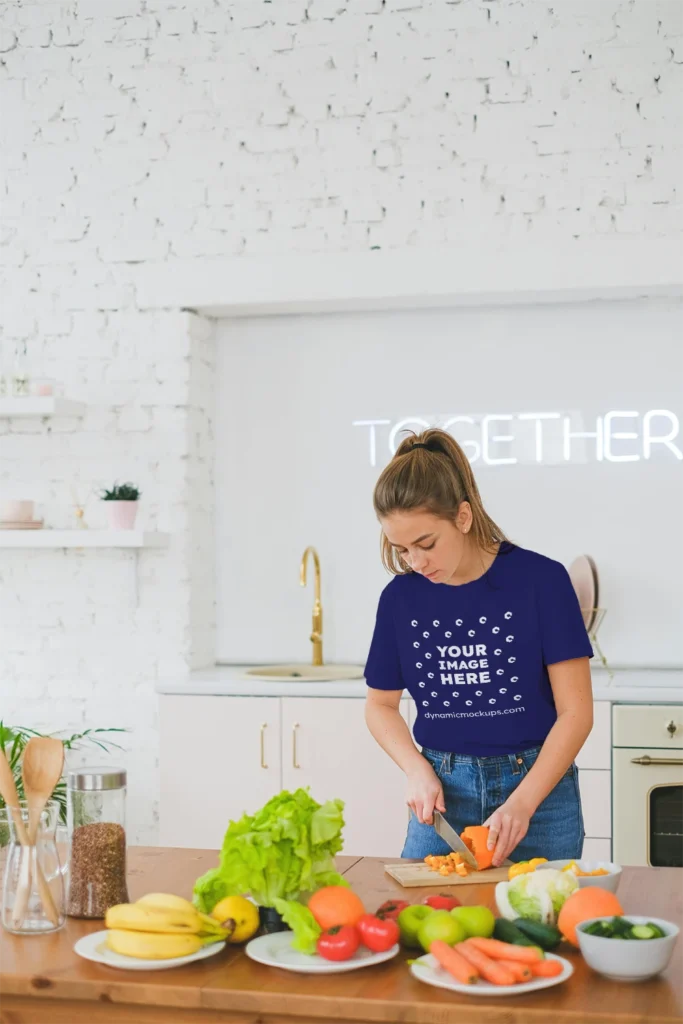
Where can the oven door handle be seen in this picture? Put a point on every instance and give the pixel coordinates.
(646, 759)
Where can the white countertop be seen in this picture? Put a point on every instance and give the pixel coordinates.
(629, 686)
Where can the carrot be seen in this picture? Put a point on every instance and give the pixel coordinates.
(505, 951)
(456, 965)
(521, 972)
(490, 970)
(546, 969)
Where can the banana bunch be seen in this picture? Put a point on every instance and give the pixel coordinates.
(161, 926)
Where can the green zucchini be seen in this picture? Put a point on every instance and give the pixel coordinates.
(543, 935)
(506, 931)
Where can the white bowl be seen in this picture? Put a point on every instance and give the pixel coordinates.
(628, 959)
(609, 882)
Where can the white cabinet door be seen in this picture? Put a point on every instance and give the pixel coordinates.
(326, 745)
(597, 849)
(596, 800)
(219, 757)
(597, 750)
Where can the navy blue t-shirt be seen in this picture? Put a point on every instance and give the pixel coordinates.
(474, 657)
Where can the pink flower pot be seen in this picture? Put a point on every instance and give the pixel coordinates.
(122, 514)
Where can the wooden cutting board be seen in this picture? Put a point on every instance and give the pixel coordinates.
(413, 875)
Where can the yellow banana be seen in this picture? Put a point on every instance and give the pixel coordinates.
(140, 918)
(165, 901)
(212, 927)
(148, 946)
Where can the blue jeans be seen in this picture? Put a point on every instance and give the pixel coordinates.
(474, 787)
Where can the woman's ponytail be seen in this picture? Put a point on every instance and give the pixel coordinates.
(430, 471)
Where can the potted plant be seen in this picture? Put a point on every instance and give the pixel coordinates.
(122, 507)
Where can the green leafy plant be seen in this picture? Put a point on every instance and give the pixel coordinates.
(13, 740)
(121, 492)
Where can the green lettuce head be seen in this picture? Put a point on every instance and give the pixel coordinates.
(282, 852)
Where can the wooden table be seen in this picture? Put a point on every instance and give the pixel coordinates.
(42, 981)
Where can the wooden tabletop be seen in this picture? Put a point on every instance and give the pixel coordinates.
(42, 980)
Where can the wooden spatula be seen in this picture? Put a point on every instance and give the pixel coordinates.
(41, 769)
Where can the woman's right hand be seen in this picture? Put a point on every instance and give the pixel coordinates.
(425, 793)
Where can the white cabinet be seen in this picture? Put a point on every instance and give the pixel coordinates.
(596, 800)
(224, 755)
(595, 781)
(597, 750)
(220, 757)
(597, 849)
(327, 746)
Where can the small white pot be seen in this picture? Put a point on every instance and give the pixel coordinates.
(122, 514)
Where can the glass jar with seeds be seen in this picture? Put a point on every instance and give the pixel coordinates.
(96, 813)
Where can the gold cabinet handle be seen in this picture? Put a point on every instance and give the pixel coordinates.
(646, 759)
(295, 761)
(263, 745)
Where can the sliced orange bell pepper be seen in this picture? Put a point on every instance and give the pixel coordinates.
(475, 838)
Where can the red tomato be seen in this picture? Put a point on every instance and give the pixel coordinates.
(378, 934)
(391, 909)
(339, 943)
(441, 902)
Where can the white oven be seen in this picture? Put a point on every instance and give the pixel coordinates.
(647, 784)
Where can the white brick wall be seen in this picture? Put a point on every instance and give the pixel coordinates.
(84, 635)
(154, 130)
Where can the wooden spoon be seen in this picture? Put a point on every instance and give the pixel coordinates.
(41, 769)
(9, 794)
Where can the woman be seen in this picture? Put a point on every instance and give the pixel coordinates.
(490, 642)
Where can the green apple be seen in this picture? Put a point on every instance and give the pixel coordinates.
(477, 921)
(409, 921)
(440, 925)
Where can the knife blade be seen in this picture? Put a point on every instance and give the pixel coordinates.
(453, 839)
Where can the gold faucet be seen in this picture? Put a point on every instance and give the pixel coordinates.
(317, 628)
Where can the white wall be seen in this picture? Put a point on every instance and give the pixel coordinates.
(85, 634)
(137, 132)
(291, 469)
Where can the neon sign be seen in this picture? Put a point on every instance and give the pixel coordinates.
(550, 438)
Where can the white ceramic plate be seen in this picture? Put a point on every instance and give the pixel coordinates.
(276, 951)
(93, 947)
(428, 970)
(584, 577)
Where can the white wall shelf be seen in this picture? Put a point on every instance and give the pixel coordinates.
(39, 407)
(82, 539)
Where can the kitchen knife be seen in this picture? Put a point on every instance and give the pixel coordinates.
(453, 839)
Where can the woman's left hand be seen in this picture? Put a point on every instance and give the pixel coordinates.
(507, 827)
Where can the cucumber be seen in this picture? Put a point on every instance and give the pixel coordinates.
(644, 931)
(603, 929)
(543, 935)
(506, 931)
(621, 928)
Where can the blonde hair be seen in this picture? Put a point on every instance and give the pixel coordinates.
(436, 478)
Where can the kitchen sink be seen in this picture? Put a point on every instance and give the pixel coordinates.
(305, 673)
